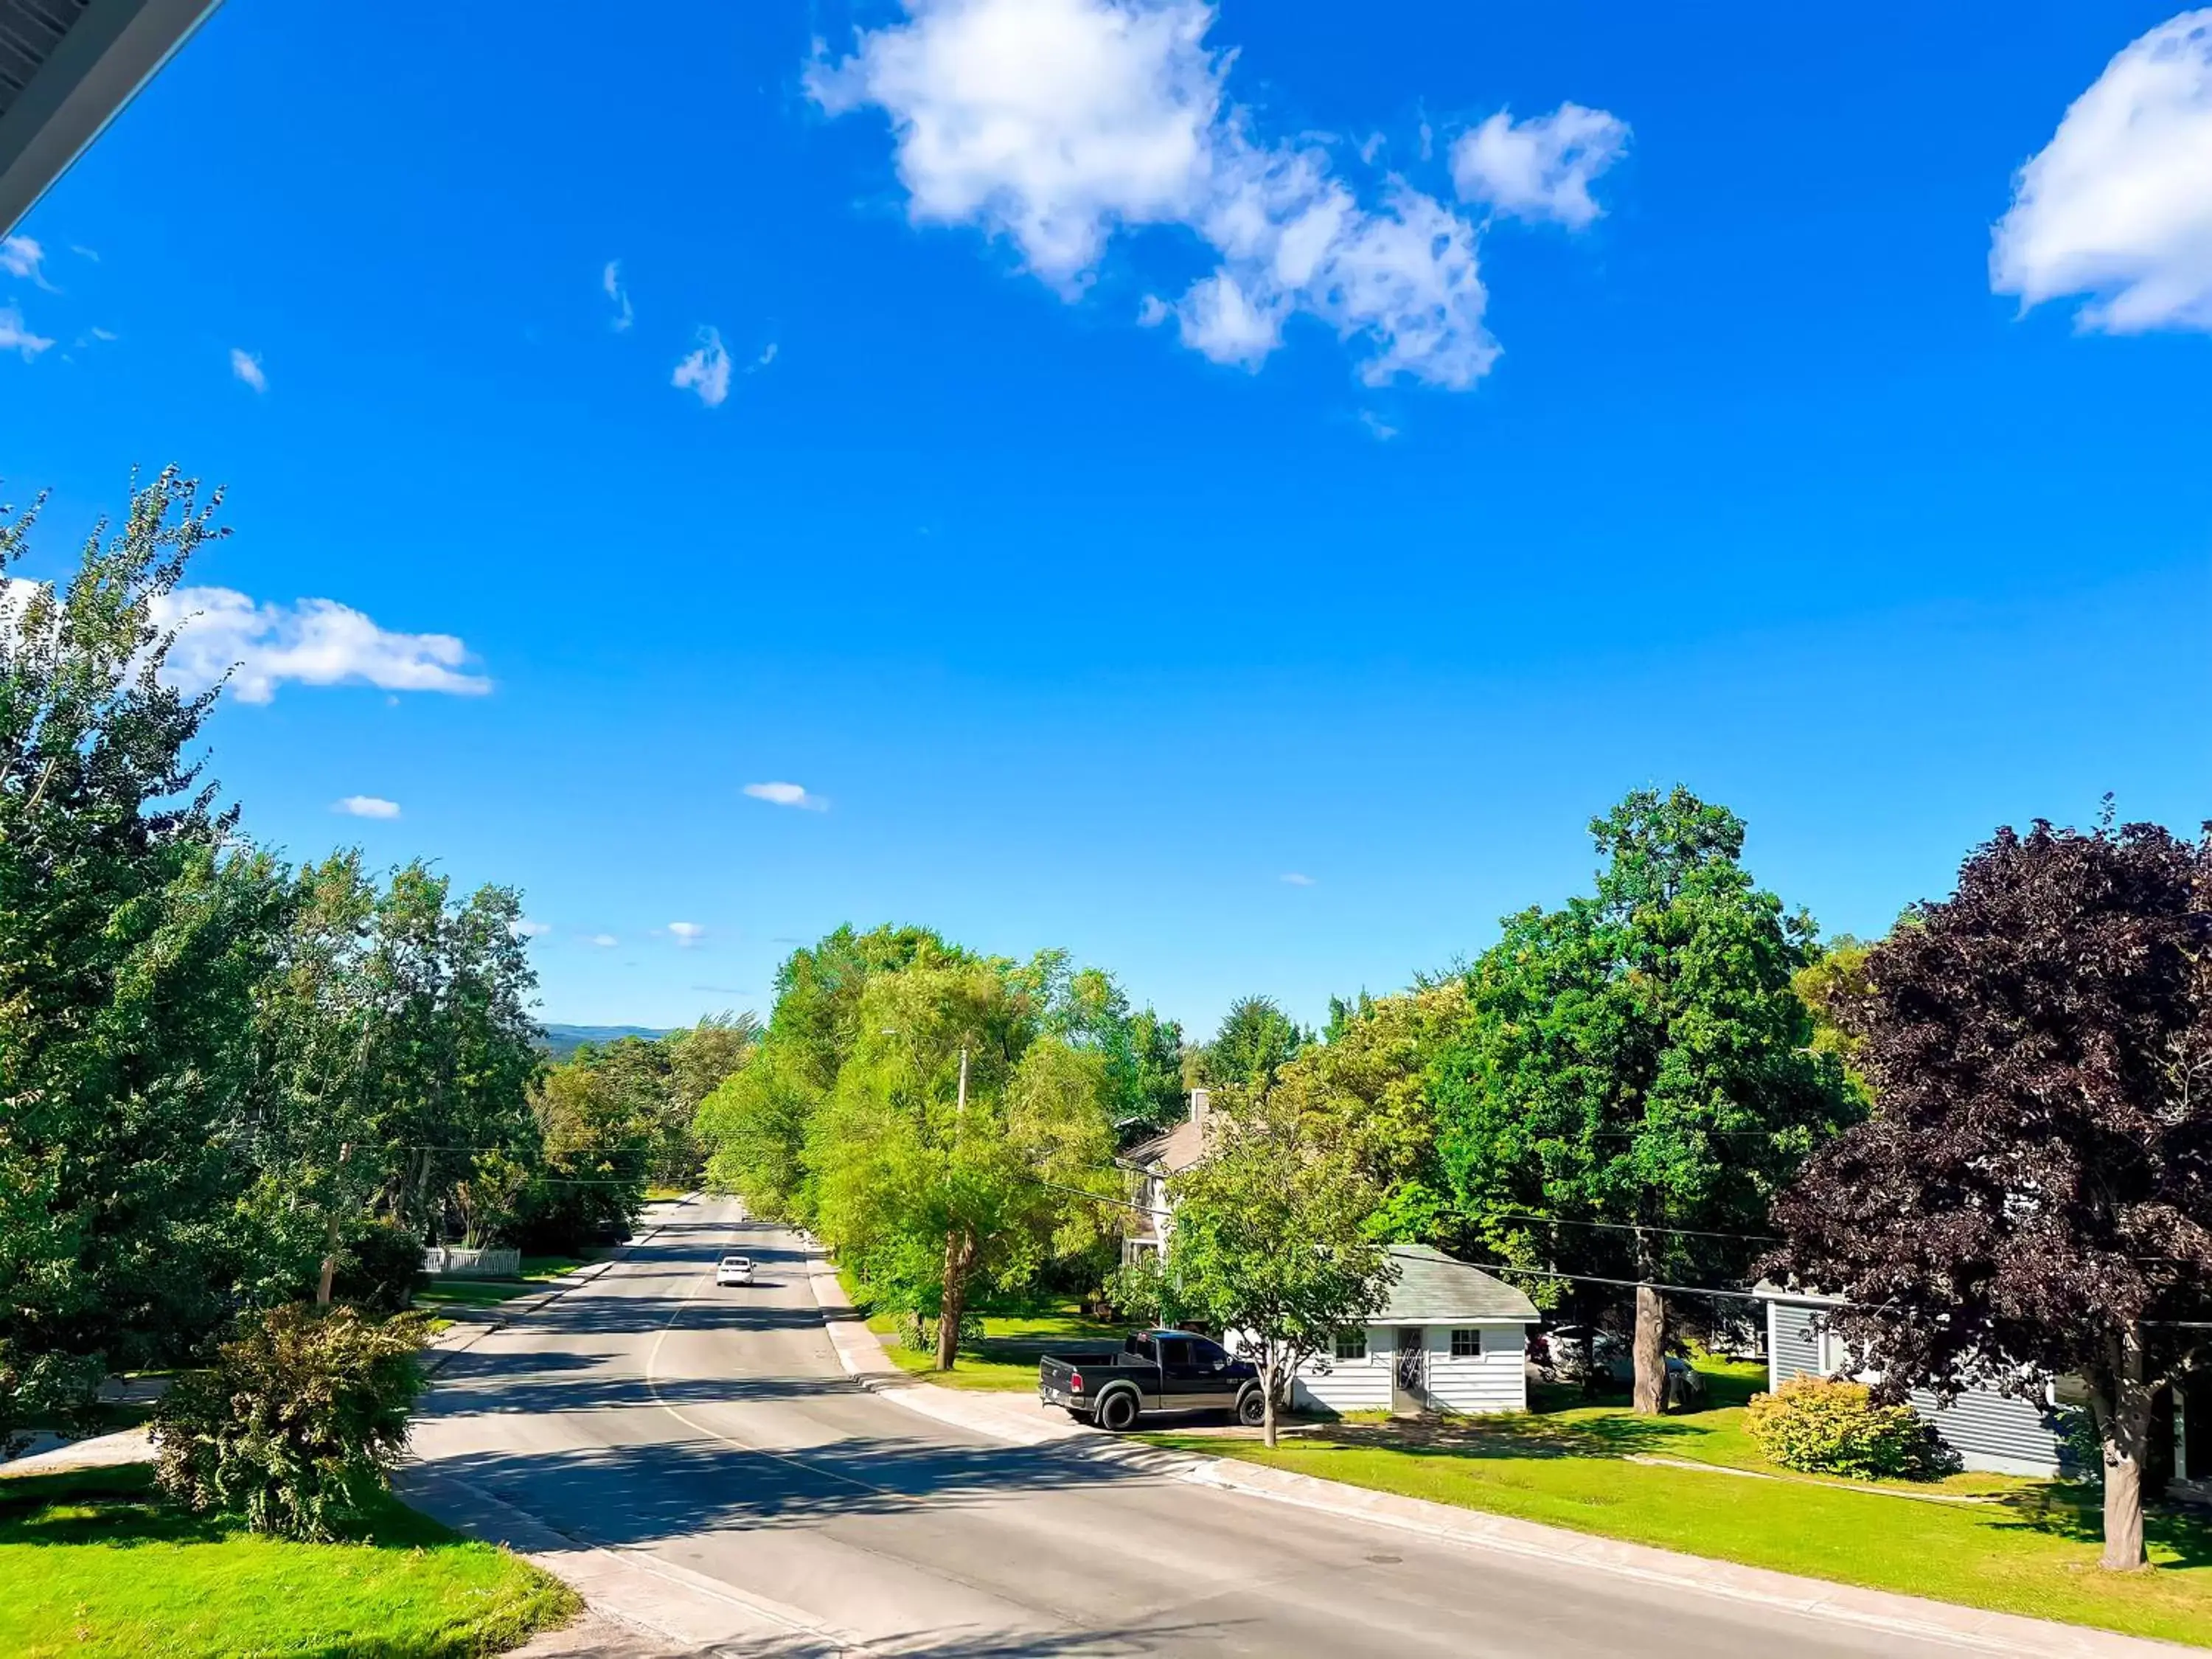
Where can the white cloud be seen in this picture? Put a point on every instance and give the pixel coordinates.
(85, 252)
(1382, 429)
(604, 941)
(707, 370)
(367, 806)
(20, 256)
(1541, 168)
(105, 334)
(15, 335)
(313, 642)
(247, 367)
(686, 933)
(610, 282)
(766, 357)
(2117, 206)
(787, 794)
(527, 928)
(1294, 880)
(1055, 123)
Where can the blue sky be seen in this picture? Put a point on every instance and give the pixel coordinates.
(1144, 454)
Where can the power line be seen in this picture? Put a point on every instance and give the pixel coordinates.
(1640, 1284)
(1633, 1227)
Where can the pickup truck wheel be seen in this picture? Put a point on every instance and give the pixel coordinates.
(1252, 1409)
(1117, 1411)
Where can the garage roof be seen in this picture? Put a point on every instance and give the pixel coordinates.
(66, 67)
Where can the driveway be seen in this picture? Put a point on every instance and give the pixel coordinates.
(710, 1437)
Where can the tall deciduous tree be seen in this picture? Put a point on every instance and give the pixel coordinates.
(953, 1149)
(1272, 1241)
(1637, 1071)
(1367, 1089)
(2032, 1195)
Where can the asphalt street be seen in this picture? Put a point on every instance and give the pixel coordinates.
(713, 1431)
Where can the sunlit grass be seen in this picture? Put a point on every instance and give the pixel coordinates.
(98, 1564)
(2014, 1546)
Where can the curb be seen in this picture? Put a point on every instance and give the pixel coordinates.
(860, 1351)
(631, 1587)
(1882, 1610)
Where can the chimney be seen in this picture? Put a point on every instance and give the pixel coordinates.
(1201, 1106)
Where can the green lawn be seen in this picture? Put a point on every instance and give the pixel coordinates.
(538, 1271)
(2014, 1546)
(98, 1564)
(1006, 1357)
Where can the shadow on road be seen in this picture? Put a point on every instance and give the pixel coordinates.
(642, 1494)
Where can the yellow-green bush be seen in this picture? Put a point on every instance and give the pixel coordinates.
(1824, 1427)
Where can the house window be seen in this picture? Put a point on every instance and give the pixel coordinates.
(1467, 1344)
(1351, 1344)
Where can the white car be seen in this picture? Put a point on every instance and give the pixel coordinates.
(734, 1270)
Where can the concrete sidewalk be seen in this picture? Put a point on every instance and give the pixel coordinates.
(1023, 1421)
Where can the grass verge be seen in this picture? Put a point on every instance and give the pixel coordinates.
(1005, 1358)
(2011, 1546)
(100, 1565)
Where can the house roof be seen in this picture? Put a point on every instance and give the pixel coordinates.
(1436, 1289)
(1767, 1290)
(66, 67)
(1173, 1151)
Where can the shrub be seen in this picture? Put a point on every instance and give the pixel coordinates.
(297, 1424)
(1823, 1427)
(380, 1267)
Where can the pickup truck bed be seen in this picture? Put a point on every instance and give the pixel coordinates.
(1152, 1374)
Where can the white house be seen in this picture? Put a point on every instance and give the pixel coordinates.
(1150, 1163)
(1451, 1339)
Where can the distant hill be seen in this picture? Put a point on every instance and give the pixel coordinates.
(562, 1041)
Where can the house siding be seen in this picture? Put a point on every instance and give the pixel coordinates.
(1494, 1381)
(1793, 1346)
(1329, 1384)
(1991, 1432)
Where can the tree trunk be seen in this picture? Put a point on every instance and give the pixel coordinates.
(1649, 1396)
(2124, 1422)
(1268, 1413)
(331, 1245)
(955, 1300)
(330, 1263)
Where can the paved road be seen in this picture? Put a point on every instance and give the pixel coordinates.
(714, 1431)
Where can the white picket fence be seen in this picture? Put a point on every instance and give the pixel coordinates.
(452, 1262)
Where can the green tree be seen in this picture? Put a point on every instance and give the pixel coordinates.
(132, 934)
(1835, 986)
(1636, 1081)
(945, 1154)
(451, 1045)
(1367, 1089)
(599, 1117)
(700, 1060)
(1273, 1243)
(1255, 1040)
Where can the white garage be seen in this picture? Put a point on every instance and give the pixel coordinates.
(1451, 1339)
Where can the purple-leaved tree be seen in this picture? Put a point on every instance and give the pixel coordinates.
(2032, 1195)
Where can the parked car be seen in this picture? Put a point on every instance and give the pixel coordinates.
(734, 1270)
(1562, 1353)
(1152, 1374)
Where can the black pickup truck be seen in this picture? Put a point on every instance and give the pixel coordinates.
(1153, 1374)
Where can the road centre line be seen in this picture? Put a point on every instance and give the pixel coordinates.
(653, 1387)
